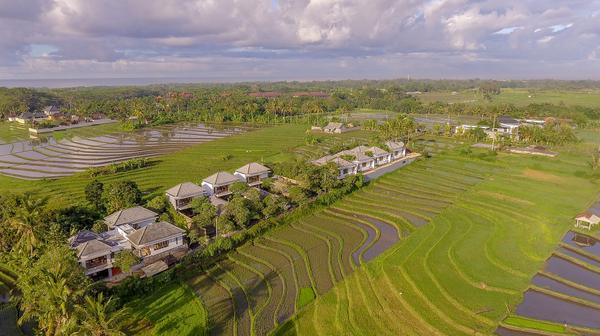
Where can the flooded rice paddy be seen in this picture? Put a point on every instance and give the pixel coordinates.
(549, 308)
(568, 289)
(48, 158)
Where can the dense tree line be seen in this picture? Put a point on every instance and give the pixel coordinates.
(158, 104)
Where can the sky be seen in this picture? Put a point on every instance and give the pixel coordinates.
(241, 40)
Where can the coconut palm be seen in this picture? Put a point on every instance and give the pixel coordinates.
(53, 307)
(99, 317)
(26, 221)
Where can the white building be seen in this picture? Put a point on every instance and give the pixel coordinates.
(133, 229)
(128, 220)
(253, 173)
(218, 184)
(397, 149)
(156, 238)
(181, 195)
(345, 167)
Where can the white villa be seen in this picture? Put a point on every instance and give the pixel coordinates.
(128, 220)
(133, 229)
(181, 195)
(156, 238)
(345, 167)
(587, 220)
(253, 173)
(397, 149)
(95, 254)
(363, 158)
(218, 184)
(508, 125)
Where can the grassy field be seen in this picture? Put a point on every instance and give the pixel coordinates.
(519, 97)
(465, 271)
(173, 310)
(191, 164)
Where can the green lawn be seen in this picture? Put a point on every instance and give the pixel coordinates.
(173, 310)
(519, 97)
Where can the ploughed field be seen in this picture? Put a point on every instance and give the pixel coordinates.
(262, 285)
(54, 159)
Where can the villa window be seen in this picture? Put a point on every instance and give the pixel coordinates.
(161, 245)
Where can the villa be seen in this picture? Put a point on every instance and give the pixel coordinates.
(508, 125)
(337, 127)
(95, 254)
(181, 195)
(132, 229)
(128, 220)
(363, 158)
(345, 167)
(156, 239)
(397, 149)
(380, 156)
(218, 184)
(253, 173)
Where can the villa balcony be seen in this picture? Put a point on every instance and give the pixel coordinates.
(96, 266)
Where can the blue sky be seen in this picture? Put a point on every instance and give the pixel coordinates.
(237, 40)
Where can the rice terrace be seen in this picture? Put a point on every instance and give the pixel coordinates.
(321, 208)
(52, 159)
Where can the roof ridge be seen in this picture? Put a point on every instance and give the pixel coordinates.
(179, 189)
(143, 233)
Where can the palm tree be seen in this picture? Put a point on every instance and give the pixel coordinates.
(98, 317)
(27, 224)
(54, 308)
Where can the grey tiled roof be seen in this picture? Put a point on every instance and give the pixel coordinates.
(185, 189)
(221, 178)
(395, 145)
(154, 232)
(129, 215)
(253, 168)
(92, 247)
(82, 237)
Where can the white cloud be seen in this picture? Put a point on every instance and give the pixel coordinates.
(53, 37)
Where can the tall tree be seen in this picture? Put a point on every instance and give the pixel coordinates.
(100, 317)
(51, 289)
(27, 223)
(122, 194)
(93, 194)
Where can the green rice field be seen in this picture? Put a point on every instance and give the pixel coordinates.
(444, 246)
(466, 270)
(173, 310)
(519, 97)
(190, 164)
